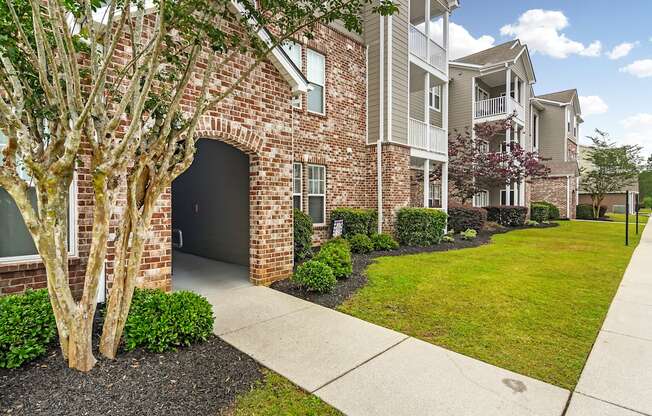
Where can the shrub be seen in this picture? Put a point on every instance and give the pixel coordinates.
(531, 223)
(384, 242)
(302, 235)
(602, 211)
(507, 215)
(27, 327)
(539, 212)
(647, 202)
(585, 212)
(448, 239)
(420, 226)
(469, 234)
(160, 321)
(336, 254)
(553, 211)
(462, 218)
(361, 243)
(356, 221)
(315, 276)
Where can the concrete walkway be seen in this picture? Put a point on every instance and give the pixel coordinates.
(617, 378)
(364, 369)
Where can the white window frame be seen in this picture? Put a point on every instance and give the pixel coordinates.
(72, 227)
(512, 195)
(481, 199)
(435, 91)
(434, 188)
(294, 191)
(287, 47)
(323, 96)
(479, 90)
(323, 167)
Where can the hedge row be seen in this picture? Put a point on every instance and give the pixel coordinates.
(507, 215)
(462, 218)
(356, 221)
(420, 226)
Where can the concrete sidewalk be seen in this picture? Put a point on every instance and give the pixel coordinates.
(617, 378)
(363, 369)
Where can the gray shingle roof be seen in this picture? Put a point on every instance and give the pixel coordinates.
(507, 51)
(562, 97)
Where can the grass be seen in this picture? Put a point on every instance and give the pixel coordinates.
(643, 217)
(532, 301)
(275, 395)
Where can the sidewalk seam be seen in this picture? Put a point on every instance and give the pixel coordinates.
(608, 402)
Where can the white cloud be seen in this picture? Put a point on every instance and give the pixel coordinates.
(622, 50)
(641, 69)
(462, 41)
(541, 31)
(593, 104)
(638, 131)
(640, 120)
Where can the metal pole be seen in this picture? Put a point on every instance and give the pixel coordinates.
(627, 219)
(638, 207)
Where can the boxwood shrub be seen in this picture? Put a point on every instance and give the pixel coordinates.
(302, 235)
(384, 242)
(336, 254)
(462, 218)
(539, 213)
(361, 244)
(507, 215)
(160, 321)
(553, 211)
(315, 276)
(27, 327)
(420, 226)
(356, 221)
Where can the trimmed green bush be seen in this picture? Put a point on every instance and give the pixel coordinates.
(507, 215)
(336, 254)
(315, 276)
(27, 327)
(553, 211)
(462, 218)
(356, 221)
(361, 244)
(160, 321)
(302, 235)
(469, 234)
(539, 212)
(384, 242)
(585, 212)
(420, 226)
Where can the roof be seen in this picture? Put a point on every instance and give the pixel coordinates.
(507, 51)
(563, 97)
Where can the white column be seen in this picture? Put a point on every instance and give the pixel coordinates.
(444, 186)
(426, 109)
(426, 182)
(427, 29)
(473, 100)
(508, 91)
(446, 38)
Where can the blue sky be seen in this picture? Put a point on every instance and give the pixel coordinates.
(603, 50)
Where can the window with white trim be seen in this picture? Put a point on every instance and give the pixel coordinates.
(435, 98)
(16, 243)
(317, 194)
(434, 195)
(481, 199)
(295, 52)
(316, 74)
(297, 186)
(503, 197)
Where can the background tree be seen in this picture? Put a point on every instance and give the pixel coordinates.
(64, 92)
(610, 168)
(473, 168)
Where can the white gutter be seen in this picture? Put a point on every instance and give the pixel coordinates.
(379, 148)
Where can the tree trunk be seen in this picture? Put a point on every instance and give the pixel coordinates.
(80, 344)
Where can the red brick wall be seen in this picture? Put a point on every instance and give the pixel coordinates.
(555, 191)
(609, 200)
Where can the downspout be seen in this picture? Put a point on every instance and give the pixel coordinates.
(379, 148)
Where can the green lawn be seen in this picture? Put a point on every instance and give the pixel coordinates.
(277, 396)
(642, 218)
(532, 301)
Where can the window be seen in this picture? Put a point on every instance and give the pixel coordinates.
(297, 186)
(16, 243)
(482, 199)
(568, 120)
(535, 132)
(317, 194)
(435, 98)
(483, 146)
(316, 74)
(517, 89)
(503, 197)
(295, 52)
(434, 195)
(481, 94)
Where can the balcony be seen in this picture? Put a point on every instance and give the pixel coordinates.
(427, 49)
(497, 108)
(429, 138)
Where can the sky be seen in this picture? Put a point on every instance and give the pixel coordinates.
(603, 50)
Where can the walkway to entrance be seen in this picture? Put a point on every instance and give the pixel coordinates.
(206, 276)
(363, 369)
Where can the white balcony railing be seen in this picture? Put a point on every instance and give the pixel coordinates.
(498, 106)
(430, 138)
(427, 49)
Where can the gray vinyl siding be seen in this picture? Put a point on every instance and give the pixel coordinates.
(400, 77)
(372, 39)
(459, 103)
(417, 109)
(519, 69)
(552, 130)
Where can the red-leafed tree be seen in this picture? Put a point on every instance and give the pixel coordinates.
(473, 167)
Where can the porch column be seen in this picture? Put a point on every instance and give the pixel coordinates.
(426, 182)
(508, 91)
(444, 186)
(427, 29)
(426, 108)
(446, 38)
(473, 100)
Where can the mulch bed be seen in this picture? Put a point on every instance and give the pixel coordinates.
(203, 379)
(347, 287)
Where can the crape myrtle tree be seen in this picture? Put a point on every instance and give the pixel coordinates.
(610, 168)
(66, 91)
(473, 168)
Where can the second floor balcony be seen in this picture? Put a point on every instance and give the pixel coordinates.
(427, 49)
(428, 36)
(427, 137)
(498, 107)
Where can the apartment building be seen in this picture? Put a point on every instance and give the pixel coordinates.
(340, 120)
(557, 118)
(490, 86)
